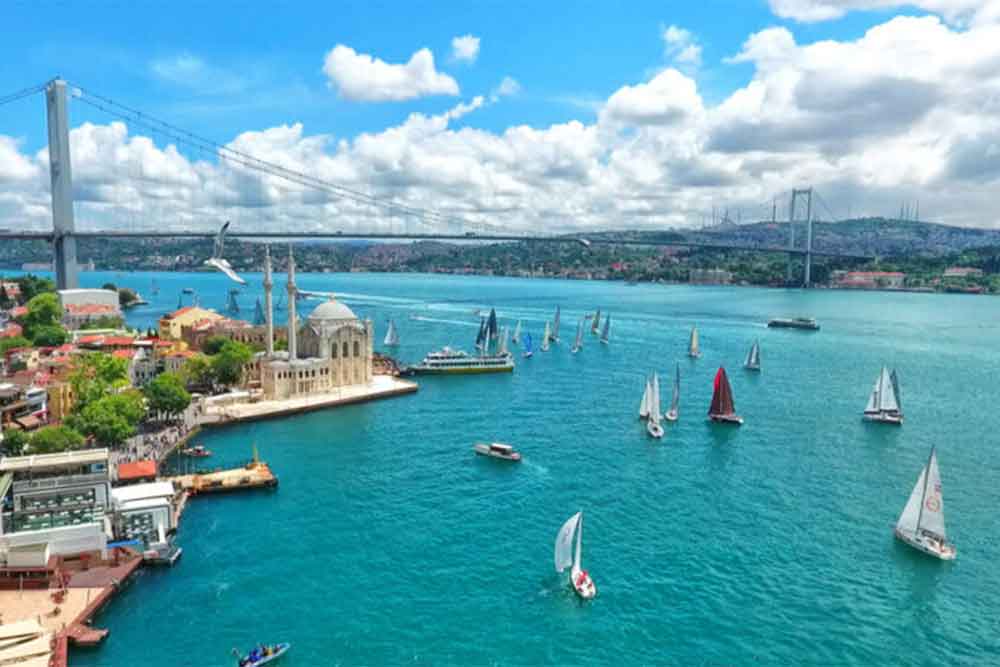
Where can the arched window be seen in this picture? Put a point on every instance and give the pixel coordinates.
(357, 349)
(345, 351)
(333, 351)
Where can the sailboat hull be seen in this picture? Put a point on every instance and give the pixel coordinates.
(584, 586)
(654, 430)
(884, 418)
(734, 420)
(671, 416)
(752, 368)
(927, 545)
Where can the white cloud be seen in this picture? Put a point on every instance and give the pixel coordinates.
(670, 97)
(809, 11)
(681, 46)
(186, 70)
(507, 87)
(465, 49)
(361, 77)
(910, 109)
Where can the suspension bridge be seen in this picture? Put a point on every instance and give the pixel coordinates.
(407, 221)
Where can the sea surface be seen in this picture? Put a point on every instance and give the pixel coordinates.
(388, 542)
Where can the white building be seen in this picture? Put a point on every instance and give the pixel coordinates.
(336, 348)
(144, 511)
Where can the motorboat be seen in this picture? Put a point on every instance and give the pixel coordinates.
(497, 450)
(262, 655)
(807, 323)
(198, 451)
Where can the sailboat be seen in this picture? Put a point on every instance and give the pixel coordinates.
(752, 362)
(672, 413)
(482, 340)
(722, 409)
(502, 345)
(921, 525)
(528, 351)
(644, 403)
(606, 333)
(578, 343)
(653, 426)
(693, 351)
(555, 327)
(492, 331)
(258, 314)
(280, 305)
(569, 555)
(516, 338)
(545, 338)
(595, 325)
(391, 336)
(882, 403)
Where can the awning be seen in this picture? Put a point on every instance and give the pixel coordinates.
(6, 479)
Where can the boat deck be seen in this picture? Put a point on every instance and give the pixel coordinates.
(251, 476)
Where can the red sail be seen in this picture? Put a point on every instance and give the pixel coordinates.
(722, 395)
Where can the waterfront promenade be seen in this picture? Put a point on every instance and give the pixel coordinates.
(381, 386)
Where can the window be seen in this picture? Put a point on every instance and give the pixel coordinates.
(357, 349)
(344, 351)
(333, 351)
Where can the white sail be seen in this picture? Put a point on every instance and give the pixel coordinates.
(595, 325)
(873, 399)
(555, 327)
(564, 543)
(693, 343)
(907, 522)
(605, 334)
(545, 337)
(502, 347)
(391, 337)
(677, 391)
(883, 396)
(654, 401)
(578, 556)
(932, 517)
(644, 404)
(753, 356)
(578, 343)
(516, 338)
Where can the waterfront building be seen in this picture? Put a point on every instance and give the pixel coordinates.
(144, 511)
(58, 500)
(84, 305)
(962, 272)
(334, 348)
(171, 324)
(241, 331)
(710, 277)
(872, 280)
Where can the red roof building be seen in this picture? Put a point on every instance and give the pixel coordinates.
(137, 471)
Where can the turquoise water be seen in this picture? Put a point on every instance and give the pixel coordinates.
(389, 542)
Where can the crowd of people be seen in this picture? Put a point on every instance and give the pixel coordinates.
(154, 442)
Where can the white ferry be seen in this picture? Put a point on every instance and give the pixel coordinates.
(449, 361)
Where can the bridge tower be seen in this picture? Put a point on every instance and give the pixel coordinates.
(807, 195)
(61, 174)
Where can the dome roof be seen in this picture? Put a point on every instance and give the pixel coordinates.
(331, 310)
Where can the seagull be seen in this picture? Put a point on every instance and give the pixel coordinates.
(217, 261)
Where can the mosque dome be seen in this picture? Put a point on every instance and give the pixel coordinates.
(329, 311)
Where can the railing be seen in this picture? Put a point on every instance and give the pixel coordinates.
(60, 482)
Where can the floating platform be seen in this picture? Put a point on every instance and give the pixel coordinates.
(381, 386)
(254, 475)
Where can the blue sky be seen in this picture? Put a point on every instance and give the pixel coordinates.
(262, 65)
(590, 114)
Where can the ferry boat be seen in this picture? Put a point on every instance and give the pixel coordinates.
(807, 323)
(497, 450)
(448, 361)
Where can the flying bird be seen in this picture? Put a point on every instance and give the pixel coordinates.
(217, 261)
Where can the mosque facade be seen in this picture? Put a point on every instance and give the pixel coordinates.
(332, 349)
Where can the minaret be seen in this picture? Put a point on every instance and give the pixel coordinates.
(292, 324)
(268, 313)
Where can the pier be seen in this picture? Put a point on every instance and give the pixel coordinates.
(254, 475)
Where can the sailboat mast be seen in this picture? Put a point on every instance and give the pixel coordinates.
(923, 494)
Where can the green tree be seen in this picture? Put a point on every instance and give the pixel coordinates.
(110, 287)
(198, 371)
(49, 335)
(32, 286)
(166, 394)
(5, 300)
(14, 442)
(102, 421)
(12, 342)
(43, 310)
(126, 297)
(103, 322)
(52, 439)
(213, 345)
(229, 362)
(96, 375)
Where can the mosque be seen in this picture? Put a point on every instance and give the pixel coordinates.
(332, 349)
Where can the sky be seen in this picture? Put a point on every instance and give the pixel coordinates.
(515, 116)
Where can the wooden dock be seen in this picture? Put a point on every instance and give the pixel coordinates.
(254, 475)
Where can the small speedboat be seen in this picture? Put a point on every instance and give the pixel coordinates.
(497, 450)
(262, 656)
(198, 452)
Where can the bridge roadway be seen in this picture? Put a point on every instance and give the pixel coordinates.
(49, 236)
